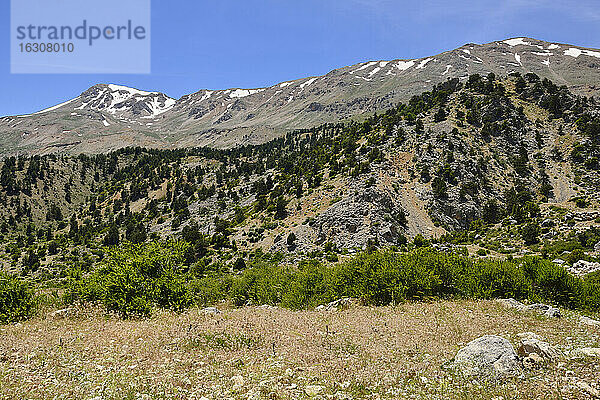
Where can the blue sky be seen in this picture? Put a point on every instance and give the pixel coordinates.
(198, 44)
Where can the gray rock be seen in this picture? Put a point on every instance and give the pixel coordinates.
(512, 303)
(597, 247)
(553, 312)
(345, 223)
(532, 344)
(532, 360)
(586, 352)
(211, 310)
(268, 307)
(63, 313)
(589, 321)
(488, 356)
(582, 267)
(544, 309)
(339, 304)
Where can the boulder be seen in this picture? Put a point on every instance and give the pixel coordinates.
(582, 267)
(339, 304)
(211, 310)
(63, 313)
(544, 309)
(586, 352)
(589, 321)
(268, 307)
(313, 390)
(512, 303)
(553, 312)
(488, 356)
(532, 361)
(532, 344)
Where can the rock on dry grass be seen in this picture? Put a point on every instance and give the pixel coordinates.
(272, 353)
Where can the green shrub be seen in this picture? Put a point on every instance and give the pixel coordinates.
(495, 279)
(591, 292)
(551, 282)
(17, 299)
(530, 233)
(309, 286)
(126, 291)
(263, 283)
(135, 277)
(210, 289)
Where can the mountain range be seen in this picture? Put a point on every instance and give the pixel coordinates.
(106, 117)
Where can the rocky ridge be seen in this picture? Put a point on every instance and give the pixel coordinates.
(106, 117)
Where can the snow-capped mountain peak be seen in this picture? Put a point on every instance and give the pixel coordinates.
(108, 116)
(125, 102)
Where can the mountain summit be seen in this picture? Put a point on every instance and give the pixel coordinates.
(106, 117)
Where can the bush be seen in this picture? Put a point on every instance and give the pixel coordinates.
(291, 239)
(591, 292)
(530, 233)
(309, 286)
(551, 282)
(264, 283)
(210, 289)
(17, 299)
(134, 277)
(495, 279)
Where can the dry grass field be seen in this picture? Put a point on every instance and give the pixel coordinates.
(271, 353)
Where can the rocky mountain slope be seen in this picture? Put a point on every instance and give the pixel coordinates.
(106, 117)
(506, 165)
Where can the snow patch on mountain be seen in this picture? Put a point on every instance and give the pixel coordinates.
(367, 65)
(573, 52)
(546, 53)
(308, 82)
(423, 63)
(239, 93)
(521, 42)
(376, 70)
(206, 95)
(518, 58)
(516, 41)
(404, 65)
(132, 91)
(159, 107)
(121, 100)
